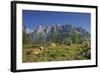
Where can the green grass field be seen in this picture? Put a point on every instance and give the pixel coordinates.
(58, 53)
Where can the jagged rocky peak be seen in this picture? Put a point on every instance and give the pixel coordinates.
(40, 29)
(47, 29)
(50, 32)
(59, 28)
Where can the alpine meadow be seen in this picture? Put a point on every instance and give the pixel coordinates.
(55, 36)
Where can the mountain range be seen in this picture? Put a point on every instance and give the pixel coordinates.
(57, 33)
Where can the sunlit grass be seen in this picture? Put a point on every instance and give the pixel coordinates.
(58, 53)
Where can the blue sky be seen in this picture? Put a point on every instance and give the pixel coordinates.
(31, 18)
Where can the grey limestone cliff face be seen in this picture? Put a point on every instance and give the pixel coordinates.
(58, 32)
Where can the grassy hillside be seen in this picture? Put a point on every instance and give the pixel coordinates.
(57, 53)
